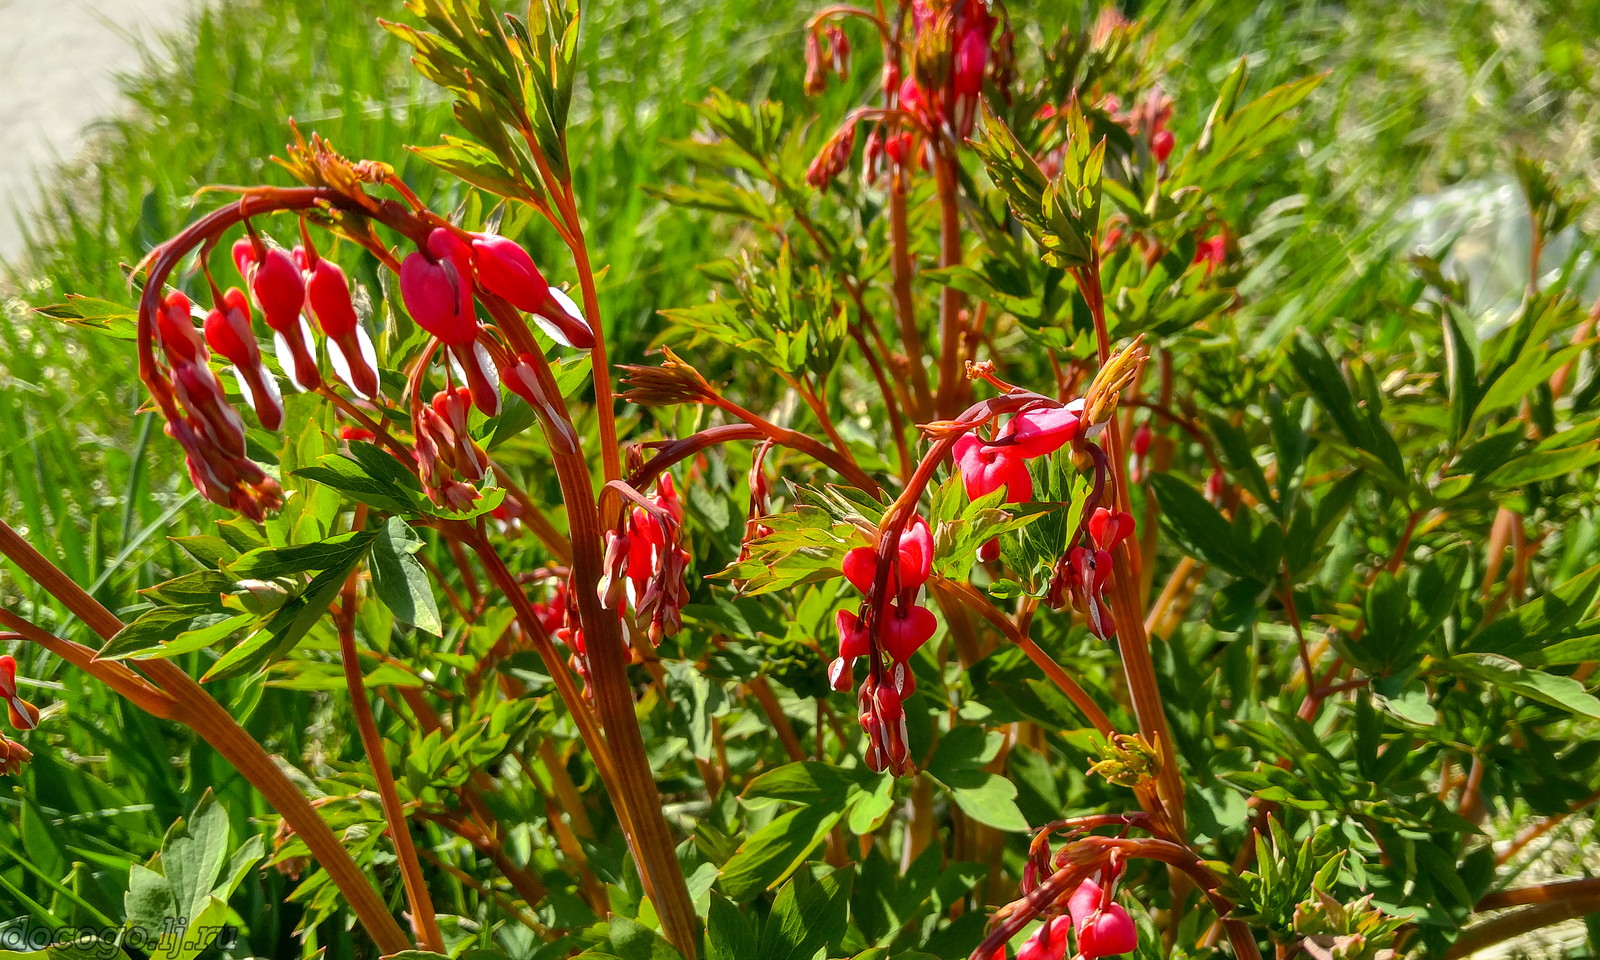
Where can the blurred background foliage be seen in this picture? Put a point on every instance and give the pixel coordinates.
(1423, 106)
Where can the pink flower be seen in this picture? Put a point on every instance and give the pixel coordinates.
(1106, 933)
(328, 299)
(436, 286)
(23, 715)
(506, 270)
(853, 639)
(914, 566)
(986, 467)
(175, 328)
(904, 632)
(1161, 144)
(1109, 528)
(279, 288)
(1044, 430)
(1049, 942)
(972, 57)
(1085, 900)
(229, 334)
(1216, 484)
(1212, 251)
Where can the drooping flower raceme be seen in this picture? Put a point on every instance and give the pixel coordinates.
(888, 632)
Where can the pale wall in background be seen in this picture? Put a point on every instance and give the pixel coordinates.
(58, 65)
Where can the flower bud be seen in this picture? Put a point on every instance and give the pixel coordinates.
(176, 331)
(972, 57)
(1107, 933)
(350, 348)
(833, 157)
(437, 289)
(1161, 144)
(23, 715)
(504, 269)
(12, 756)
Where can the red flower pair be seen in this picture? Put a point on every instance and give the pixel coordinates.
(1103, 927)
(989, 465)
(1083, 574)
(437, 285)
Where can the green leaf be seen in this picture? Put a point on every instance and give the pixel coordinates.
(985, 797)
(286, 628)
(368, 475)
(1511, 676)
(1197, 526)
(632, 940)
(99, 316)
(807, 916)
(399, 579)
(475, 164)
(730, 932)
(871, 806)
(775, 851)
(168, 632)
(806, 782)
(1541, 621)
(266, 563)
(193, 853)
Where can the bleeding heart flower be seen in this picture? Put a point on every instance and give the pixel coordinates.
(229, 334)
(1049, 942)
(1212, 251)
(904, 632)
(853, 639)
(1044, 430)
(912, 570)
(279, 288)
(328, 298)
(1107, 933)
(986, 467)
(175, 328)
(507, 271)
(972, 57)
(1161, 143)
(1109, 528)
(1085, 900)
(436, 286)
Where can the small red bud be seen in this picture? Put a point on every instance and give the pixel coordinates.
(505, 270)
(176, 328)
(1161, 145)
